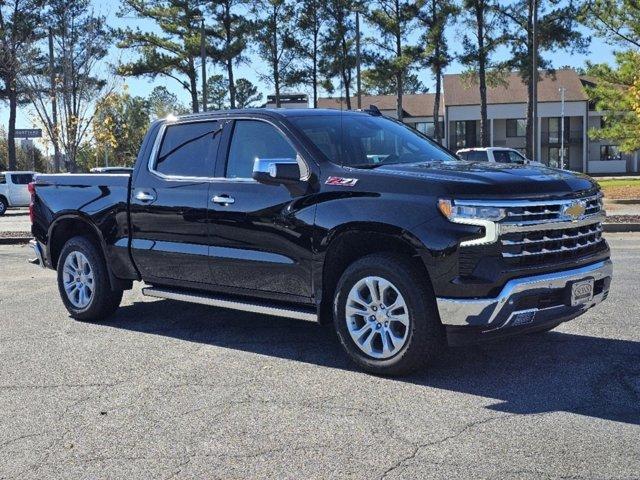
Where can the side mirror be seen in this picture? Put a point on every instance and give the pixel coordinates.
(275, 171)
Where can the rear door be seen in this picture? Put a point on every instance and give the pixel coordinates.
(169, 202)
(18, 184)
(260, 234)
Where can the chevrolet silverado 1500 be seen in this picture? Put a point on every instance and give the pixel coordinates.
(343, 217)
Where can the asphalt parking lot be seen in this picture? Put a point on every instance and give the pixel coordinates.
(171, 390)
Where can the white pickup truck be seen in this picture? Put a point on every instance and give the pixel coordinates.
(495, 155)
(14, 189)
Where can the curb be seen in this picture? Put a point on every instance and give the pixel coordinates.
(621, 227)
(14, 240)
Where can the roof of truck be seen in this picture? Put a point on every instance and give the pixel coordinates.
(274, 112)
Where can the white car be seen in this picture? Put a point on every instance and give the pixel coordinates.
(495, 155)
(14, 189)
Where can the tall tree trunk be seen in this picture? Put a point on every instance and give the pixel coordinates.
(482, 75)
(529, 81)
(437, 135)
(54, 107)
(193, 86)
(232, 84)
(399, 83)
(13, 106)
(314, 67)
(228, 33)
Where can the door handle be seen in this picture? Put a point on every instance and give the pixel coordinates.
(223, 199)
(145, 196)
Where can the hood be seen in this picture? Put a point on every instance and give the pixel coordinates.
(483, 179)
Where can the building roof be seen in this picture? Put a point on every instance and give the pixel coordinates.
(459, 90)
(414, 105)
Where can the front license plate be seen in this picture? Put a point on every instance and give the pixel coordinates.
(581, 292)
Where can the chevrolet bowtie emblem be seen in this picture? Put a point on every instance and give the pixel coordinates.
(574, 210)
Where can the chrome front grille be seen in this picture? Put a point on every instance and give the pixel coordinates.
(538, 232)
(551, 242)
(550, 231)
(533, 212)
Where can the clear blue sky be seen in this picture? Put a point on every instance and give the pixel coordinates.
(599, 51)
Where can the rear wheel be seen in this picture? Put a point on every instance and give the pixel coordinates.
(3, 206)
(385, 315)
(83, 281)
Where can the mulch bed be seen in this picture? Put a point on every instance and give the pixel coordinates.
(623, 219)
(14, 234)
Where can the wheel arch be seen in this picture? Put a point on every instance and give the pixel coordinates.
(68, 226)
(348, 243)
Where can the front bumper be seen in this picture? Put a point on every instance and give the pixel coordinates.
(527, 301)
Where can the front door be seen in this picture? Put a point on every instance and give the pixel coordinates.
(169, 202)
(260, 234)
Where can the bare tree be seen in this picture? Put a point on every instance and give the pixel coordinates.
(79, 44)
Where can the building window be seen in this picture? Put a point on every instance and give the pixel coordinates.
(516, 127)
(554, 130)
(428, 128)
(610, 152)
(460, 129)
(554, 157)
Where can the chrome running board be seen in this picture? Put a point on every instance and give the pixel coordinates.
(233, 304)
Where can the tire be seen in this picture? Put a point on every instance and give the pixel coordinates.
(94, 300)
(4, 205)
(413, 338)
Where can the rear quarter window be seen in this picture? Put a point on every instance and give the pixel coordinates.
(477, 156)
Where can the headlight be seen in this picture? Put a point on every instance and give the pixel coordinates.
(452, 211)
(480, 216)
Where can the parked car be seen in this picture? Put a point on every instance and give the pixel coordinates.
(111, 170)
(14, 190)
(328, 216)
(495, 155)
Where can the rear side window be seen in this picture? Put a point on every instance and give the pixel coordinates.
(477, 156)
(189, 149)
(253, 139)
(21, 178)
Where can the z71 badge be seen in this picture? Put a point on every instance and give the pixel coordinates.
(341, 182)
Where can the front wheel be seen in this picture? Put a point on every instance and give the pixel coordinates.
(385, 315)
(83, 281)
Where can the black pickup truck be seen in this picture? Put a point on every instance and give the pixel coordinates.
(329, 216)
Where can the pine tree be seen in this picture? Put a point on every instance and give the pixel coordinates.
(556, 30)
(230, 32)
(338, 58)
(481, 18)
(393, 57)
(434, 17)
(275, 34)
(175, 51)
(247, 94)
(310, 22)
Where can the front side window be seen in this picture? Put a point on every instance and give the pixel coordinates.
(253, 139)
(189, 149)
(21, 178)
(364, 141)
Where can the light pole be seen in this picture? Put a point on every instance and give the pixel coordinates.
(562, 90)
(534, 80)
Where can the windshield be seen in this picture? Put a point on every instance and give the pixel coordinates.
(364, 141)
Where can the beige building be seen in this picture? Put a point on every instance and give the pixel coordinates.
(506, 110)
